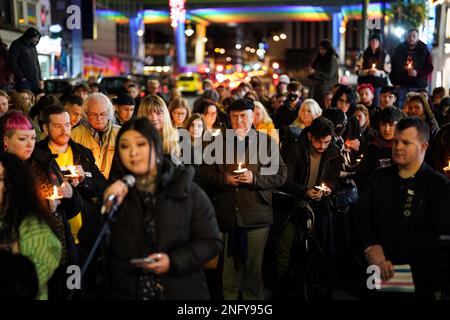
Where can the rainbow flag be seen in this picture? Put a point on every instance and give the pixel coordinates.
(401, 282)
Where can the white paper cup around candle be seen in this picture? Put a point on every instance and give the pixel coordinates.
(240, 170)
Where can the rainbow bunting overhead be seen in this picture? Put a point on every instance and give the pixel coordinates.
(251, 14)
(156, 16)
(258, 14)
(112, 15)
(374, 11)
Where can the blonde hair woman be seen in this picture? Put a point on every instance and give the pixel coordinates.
(309, 110)
(154, 109)
(263, 122)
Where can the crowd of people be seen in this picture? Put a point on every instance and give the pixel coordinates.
(319, 183)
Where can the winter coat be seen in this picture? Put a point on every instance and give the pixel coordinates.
(297, 159)
(23, 58)
(406, 217)
(421, 61)
(104, 152)
(185, 228)
(245, 206)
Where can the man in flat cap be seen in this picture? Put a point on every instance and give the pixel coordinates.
(241, 178)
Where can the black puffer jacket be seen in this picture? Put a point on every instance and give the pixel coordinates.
(185, 228)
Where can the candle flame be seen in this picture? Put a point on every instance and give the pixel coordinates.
(373, 65)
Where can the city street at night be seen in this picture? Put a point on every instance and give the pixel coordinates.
(232, 150)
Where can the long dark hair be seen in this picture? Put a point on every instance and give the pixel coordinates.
(351, 97)
(20, 197)
(328, 46)
(146, 128)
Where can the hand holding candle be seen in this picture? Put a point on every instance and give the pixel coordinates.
(239, 169)
(53, 199)
(447, 169)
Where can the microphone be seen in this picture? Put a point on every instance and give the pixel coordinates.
(111, 200)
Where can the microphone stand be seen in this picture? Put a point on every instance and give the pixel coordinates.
(104, 234)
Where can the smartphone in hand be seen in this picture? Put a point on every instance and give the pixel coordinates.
(142, 260)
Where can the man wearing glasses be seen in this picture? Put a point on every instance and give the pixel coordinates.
(99, 133)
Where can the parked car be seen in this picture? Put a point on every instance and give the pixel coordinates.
(61, 86)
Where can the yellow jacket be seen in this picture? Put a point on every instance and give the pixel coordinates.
(104, 153)
(269, 129)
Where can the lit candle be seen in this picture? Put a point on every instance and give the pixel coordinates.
(447, 169)
(322, 187)
(240, 169)
(55, 195)
(409, 65)
(374, 66)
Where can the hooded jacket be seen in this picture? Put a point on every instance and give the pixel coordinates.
(23, 57)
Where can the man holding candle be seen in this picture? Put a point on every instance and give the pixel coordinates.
(243, 200)
(312, 161)
(403, 211)
(412, 65)
(71, 154)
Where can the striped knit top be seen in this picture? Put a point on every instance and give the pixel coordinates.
(38, 242)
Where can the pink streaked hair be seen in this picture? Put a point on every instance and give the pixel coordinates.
(16, 121)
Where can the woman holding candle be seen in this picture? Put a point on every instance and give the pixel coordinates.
(373, 65)
(165, 217)
(25, 227)
(19, 139)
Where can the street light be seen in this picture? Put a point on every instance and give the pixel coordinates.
(399, 32)
(189, 32)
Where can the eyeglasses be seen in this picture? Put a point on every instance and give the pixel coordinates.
(102, 115)
(343, 101)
